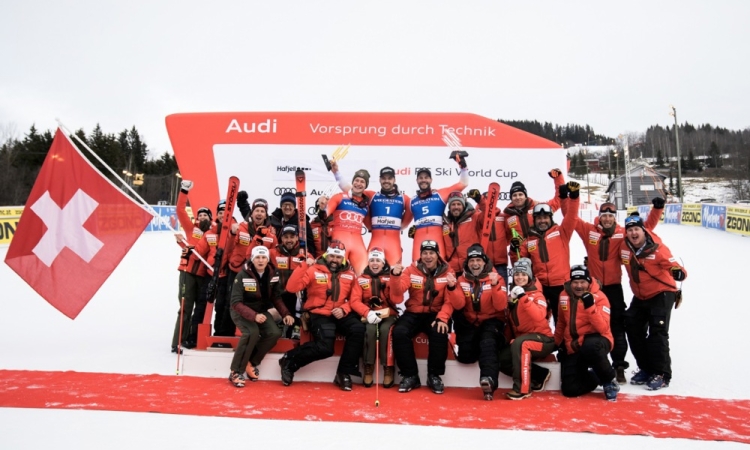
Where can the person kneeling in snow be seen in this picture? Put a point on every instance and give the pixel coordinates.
(254, 293)
(584, 337)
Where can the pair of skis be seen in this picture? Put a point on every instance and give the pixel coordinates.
(226, 224)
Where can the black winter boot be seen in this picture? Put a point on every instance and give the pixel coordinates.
(344, 381)
(409, 383)
(287, 372)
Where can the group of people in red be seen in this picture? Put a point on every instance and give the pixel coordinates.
(506, 304)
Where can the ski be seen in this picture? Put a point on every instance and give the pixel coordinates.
(493, 192)
(299, 176)
(226, 224)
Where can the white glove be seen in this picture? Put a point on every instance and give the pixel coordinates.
(186, 185)
(373, 317)
(517, 292)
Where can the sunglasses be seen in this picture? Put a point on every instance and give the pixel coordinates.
(633, 221)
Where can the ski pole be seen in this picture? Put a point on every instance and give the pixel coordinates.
(179, 335)
(377, 361)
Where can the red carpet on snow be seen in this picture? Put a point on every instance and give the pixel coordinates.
(661, 416)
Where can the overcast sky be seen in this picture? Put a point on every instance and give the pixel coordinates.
(614, 65)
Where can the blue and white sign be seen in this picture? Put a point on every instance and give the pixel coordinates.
(673, 213)
(167, 217)
(713, 216)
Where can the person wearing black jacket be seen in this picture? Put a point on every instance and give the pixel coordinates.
(254, 292)
(287, 214)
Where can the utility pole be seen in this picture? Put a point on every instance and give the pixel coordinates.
(679, 159)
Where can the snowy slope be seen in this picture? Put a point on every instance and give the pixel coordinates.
(127, 329)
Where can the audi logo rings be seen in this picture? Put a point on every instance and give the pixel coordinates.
(283, 190)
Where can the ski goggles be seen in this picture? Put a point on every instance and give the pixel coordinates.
(455, 195)
(608, 208)
(259, 203)
(633, 221)
(336, 248)
(222, 206)
(429, 245)
(542, 208)
(376, 253)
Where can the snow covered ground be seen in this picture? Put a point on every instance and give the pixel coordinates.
(128, 325)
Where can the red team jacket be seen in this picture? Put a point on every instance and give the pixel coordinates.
(422, 300)
(491, 301)
(550, 252)
(584, 320)
(325, 291)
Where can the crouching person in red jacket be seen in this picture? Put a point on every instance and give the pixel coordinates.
(479, 326)
(584, 337)
(432, 299)
(329, 282)
(254, 292)
(533, 339)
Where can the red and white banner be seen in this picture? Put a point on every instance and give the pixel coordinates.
(76, 228)
(264, 148)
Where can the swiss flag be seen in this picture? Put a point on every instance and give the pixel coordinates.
(74, 231)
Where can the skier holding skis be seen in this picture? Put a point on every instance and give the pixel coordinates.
(254, 292)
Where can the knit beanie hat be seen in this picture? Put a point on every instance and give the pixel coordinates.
(517, 186)
(523, 266)
(259, 251)
(288, 197)
(456, 196)
(362, 173)
(580, 273)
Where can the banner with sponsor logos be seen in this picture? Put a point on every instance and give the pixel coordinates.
(713, 216)
(691, 214)
(8, 226)
(738, 220)
(264, 149)
(167, 217)
(11, 211)
(672, 213)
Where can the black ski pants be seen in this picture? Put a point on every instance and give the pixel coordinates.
(190, 289)
(574, 367)
(323, 329)
(223, 323)
(647, 327)
(479, 342)
(552, 295)
(617, 324)
(406, 328)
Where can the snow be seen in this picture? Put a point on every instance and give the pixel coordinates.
(128, 325)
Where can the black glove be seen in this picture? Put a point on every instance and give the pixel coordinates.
(586, 261)
(475, 195)
(677, 273)
(211, 291)
(588, 300)
(412, 231)
(562, 191)
(242, 196)
(515, 243)
(243, 205)
(658, 202)
(554, 173)
(375, 302)
(574, 189)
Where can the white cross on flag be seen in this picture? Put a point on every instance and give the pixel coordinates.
(75, 230)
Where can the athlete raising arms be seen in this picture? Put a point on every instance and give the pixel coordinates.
(428, 207)
(348, 211)
(388, 213)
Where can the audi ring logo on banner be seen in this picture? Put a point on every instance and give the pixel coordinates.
(504, 196)
(350, 217)
(283, 190)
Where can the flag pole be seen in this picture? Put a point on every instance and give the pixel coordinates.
(143, 202)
